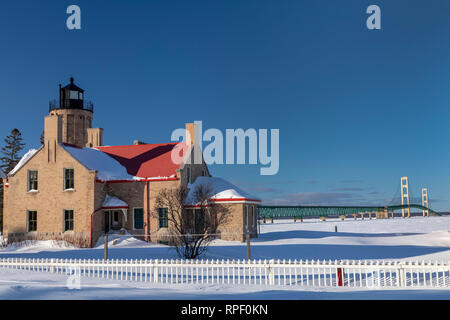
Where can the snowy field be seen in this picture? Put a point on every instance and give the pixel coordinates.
(399, 239)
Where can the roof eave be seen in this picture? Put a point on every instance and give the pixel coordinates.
(38, 150)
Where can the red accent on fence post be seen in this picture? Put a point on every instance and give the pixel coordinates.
(340, 274)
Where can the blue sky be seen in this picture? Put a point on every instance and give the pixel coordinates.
(357, 109)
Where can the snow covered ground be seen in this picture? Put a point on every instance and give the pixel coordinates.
(21, 284)
(400, 239)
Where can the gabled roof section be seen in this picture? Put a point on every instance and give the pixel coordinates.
(222, 191)
(123, 163)
(147, 160)
(107, 168)
(26, 157)
(112, 202)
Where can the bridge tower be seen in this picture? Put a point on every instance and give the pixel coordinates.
(405, 195)
(425, 202)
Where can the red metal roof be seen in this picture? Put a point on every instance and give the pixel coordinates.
(145, 160)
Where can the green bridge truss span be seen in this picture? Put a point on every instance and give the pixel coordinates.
(298, 212)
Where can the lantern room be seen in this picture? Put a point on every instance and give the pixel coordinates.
(71, 96)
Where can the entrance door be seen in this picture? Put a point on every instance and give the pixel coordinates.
(115, 220)
(107, 220)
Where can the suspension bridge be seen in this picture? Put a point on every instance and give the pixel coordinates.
(403, 200)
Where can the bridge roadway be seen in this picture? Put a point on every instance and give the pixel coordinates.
(299, 212)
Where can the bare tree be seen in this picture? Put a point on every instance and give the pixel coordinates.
(191, 230)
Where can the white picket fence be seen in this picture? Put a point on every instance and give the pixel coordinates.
(303, 273)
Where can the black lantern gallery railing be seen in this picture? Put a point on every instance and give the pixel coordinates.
(87, 105)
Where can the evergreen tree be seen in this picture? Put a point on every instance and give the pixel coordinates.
(10, 152)
(9, 159)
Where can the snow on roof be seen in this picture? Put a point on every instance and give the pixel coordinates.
(222, 190)
(113, 202)
(23, 161)
(107, 168)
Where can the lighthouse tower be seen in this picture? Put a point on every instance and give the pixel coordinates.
(76, 117)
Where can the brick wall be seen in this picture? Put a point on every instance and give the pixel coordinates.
(50, 200)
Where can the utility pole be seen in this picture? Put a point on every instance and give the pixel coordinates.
(105, 239)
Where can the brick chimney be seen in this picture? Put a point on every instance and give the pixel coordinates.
(192, 140)
(52, 135)
(94, 137)
(191, 134)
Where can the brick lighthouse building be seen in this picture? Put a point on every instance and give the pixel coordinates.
(76, 189)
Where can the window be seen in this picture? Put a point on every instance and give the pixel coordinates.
(163, 217)
(138, 218)
(32, 221)
(200, 222)
(253, 216)
(73, 95)
(32, 180)
(69, 182)
(245, 216)
(68, 220)
(189, 222)
(188, 173)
